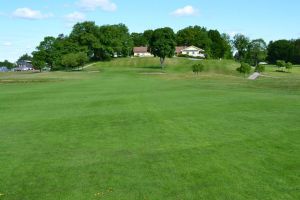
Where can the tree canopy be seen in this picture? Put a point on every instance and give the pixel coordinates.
(240, 43)
(162, 43)
(101, 43)
(7, 64)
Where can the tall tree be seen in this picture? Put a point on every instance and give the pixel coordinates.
(228, 46)
(147, 35)
(86, 34)
(240, 43)
(296, 52)
(257, 51)
(218, 45)
(139, 40)
(162, 44)
(7, 64)
(38, 60)
(25, 57)
(114, 39)
(46, 51)
(194, 35)
(280, 50)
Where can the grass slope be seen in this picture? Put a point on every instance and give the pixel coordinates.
(120, 134)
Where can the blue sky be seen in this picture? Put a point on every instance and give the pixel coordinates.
(24, 23)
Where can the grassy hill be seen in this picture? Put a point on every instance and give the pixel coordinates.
(173, 65)
(120, 130)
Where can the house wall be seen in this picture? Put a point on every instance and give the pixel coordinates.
(147, 54)
(193, 53)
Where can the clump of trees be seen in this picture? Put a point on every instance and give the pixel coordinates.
(7, 64)
(87, 42)
(282, 65)
(286, 50)
(99, 43)
(215, 44)
(255, 51)
(249, 51)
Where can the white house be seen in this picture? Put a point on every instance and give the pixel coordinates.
(141, 52)
(190, 51)
(180, 50)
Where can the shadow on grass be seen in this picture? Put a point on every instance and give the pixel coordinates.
(282, 71)
(151, 67)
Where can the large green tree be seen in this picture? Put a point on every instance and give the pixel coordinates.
(24, 57)
(139, 40)
(194, 35)
(296, 52)
(114, 39)
(7, 64)
(256, 52)
(38, 60)
(240, 43)
(228, 46)
(162, 44)
(280, 50)
(219, 45)
(86, 34)
(147, 35)
(46, 51)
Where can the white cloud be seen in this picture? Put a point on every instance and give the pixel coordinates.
(91, 5)
(185, 11)
(75, 17)
(7, 44)
(27, 13)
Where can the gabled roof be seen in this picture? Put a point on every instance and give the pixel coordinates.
(140, 50)
(190, 48)
(179, 49)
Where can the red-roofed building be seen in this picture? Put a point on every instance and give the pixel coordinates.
(141, 52)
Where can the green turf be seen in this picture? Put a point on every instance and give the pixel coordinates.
(121, 130)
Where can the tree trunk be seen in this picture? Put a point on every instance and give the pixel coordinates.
(162, 60)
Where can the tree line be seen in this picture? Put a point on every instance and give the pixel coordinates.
(255, 51)
(215, 44)
(89, 42)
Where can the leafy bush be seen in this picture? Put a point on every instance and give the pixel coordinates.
(198, 68)
(259, 68)
(183, 55)
(281, 64)
(288, 66)
(73, 60)
(244, 69)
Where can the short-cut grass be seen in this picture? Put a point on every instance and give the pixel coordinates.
(127, 130)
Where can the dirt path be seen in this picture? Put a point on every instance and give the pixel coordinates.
(254, 76)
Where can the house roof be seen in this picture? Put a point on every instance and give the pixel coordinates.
(179, 49)
(193, 48)
(140, 50)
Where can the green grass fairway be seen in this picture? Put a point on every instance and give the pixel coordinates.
(125, 130)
